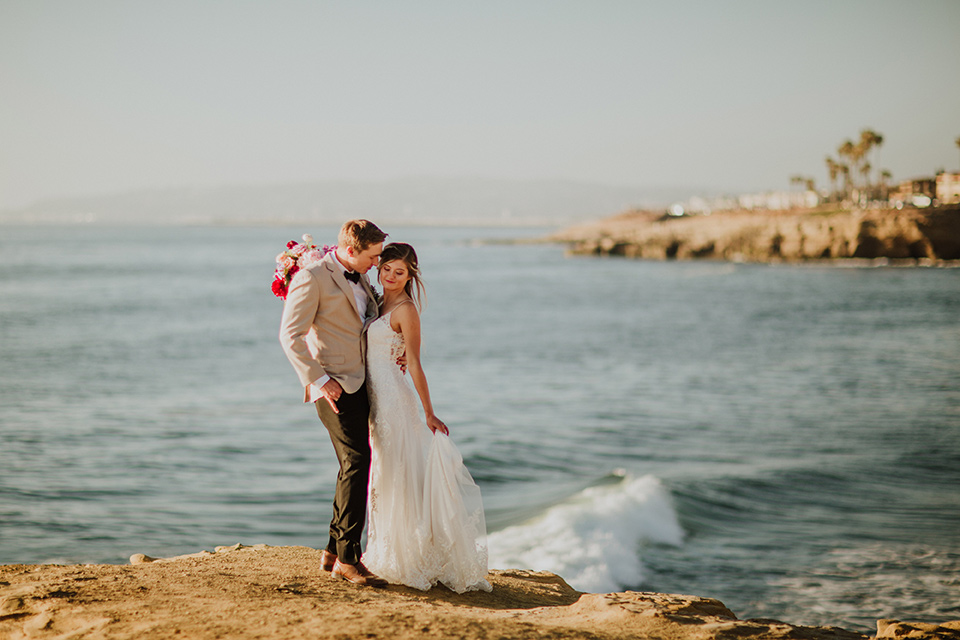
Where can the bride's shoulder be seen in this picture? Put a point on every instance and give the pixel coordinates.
(404, 307)
(403, 313)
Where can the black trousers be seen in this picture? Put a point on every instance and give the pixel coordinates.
(350, 433)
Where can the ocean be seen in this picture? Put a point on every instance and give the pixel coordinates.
(785, 438)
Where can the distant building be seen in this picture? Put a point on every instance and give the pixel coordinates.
(780, 200)
(917, 193)
(697, 206)
(948, 188)
(769, 201)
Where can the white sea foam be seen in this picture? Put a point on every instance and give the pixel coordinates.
(593, 539)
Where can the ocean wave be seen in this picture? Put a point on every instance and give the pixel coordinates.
(594, 538)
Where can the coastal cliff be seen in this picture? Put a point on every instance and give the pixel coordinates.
(917, 236)
(278, 592)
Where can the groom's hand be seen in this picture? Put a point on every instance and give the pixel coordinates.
(331, 392)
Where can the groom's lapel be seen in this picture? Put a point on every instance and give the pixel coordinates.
(336, 272)
(372, 310)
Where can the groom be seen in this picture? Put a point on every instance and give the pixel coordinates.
(329, 306)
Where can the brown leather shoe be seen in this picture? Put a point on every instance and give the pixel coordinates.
(327, 560)
(357, 574)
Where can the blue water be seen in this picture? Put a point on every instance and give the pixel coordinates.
(783, 438)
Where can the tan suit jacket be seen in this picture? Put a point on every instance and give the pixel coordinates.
(322, 332)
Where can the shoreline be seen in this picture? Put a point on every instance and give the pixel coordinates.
(279, 592)
(881, 237)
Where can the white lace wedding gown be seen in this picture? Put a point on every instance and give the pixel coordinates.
(426, 523)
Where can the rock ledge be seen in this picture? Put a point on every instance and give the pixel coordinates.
(278, 592)
(910, 236)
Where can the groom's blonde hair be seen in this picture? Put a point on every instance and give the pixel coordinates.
(360, 235)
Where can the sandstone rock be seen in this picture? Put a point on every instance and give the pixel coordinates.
(919, 630)
(913, 236)
(279, 593)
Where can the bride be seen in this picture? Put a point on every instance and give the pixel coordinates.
(426, 522)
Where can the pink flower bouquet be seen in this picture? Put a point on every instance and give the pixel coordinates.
(296, 256)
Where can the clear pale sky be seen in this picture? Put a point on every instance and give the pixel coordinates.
(98, 96)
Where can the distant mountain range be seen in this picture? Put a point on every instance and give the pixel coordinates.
(435, 201)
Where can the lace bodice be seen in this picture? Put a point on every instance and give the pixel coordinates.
(384, 346)
(386, 383)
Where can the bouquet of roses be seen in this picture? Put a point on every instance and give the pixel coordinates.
(297, 256)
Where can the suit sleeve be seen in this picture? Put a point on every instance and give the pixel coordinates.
(299, 310)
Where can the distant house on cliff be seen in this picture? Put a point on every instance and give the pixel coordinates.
(780, 200)
(948, 188)
(917, 193)
(767, 201)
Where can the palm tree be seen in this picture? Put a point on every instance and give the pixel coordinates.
(847, 150)
(885, 176)
(833, 170)
(858, 153)
(871, 139)
(807, 183)
(845, 172)
(865, 169)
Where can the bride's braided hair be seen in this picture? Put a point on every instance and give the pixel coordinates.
(403, 251)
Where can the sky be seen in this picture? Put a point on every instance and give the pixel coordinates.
(103, 96)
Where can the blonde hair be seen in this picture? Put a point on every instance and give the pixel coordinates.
(360, 235)
(405, 253)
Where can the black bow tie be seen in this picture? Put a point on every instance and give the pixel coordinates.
(352, 276)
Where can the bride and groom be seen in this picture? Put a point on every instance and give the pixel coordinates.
(426, 523)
